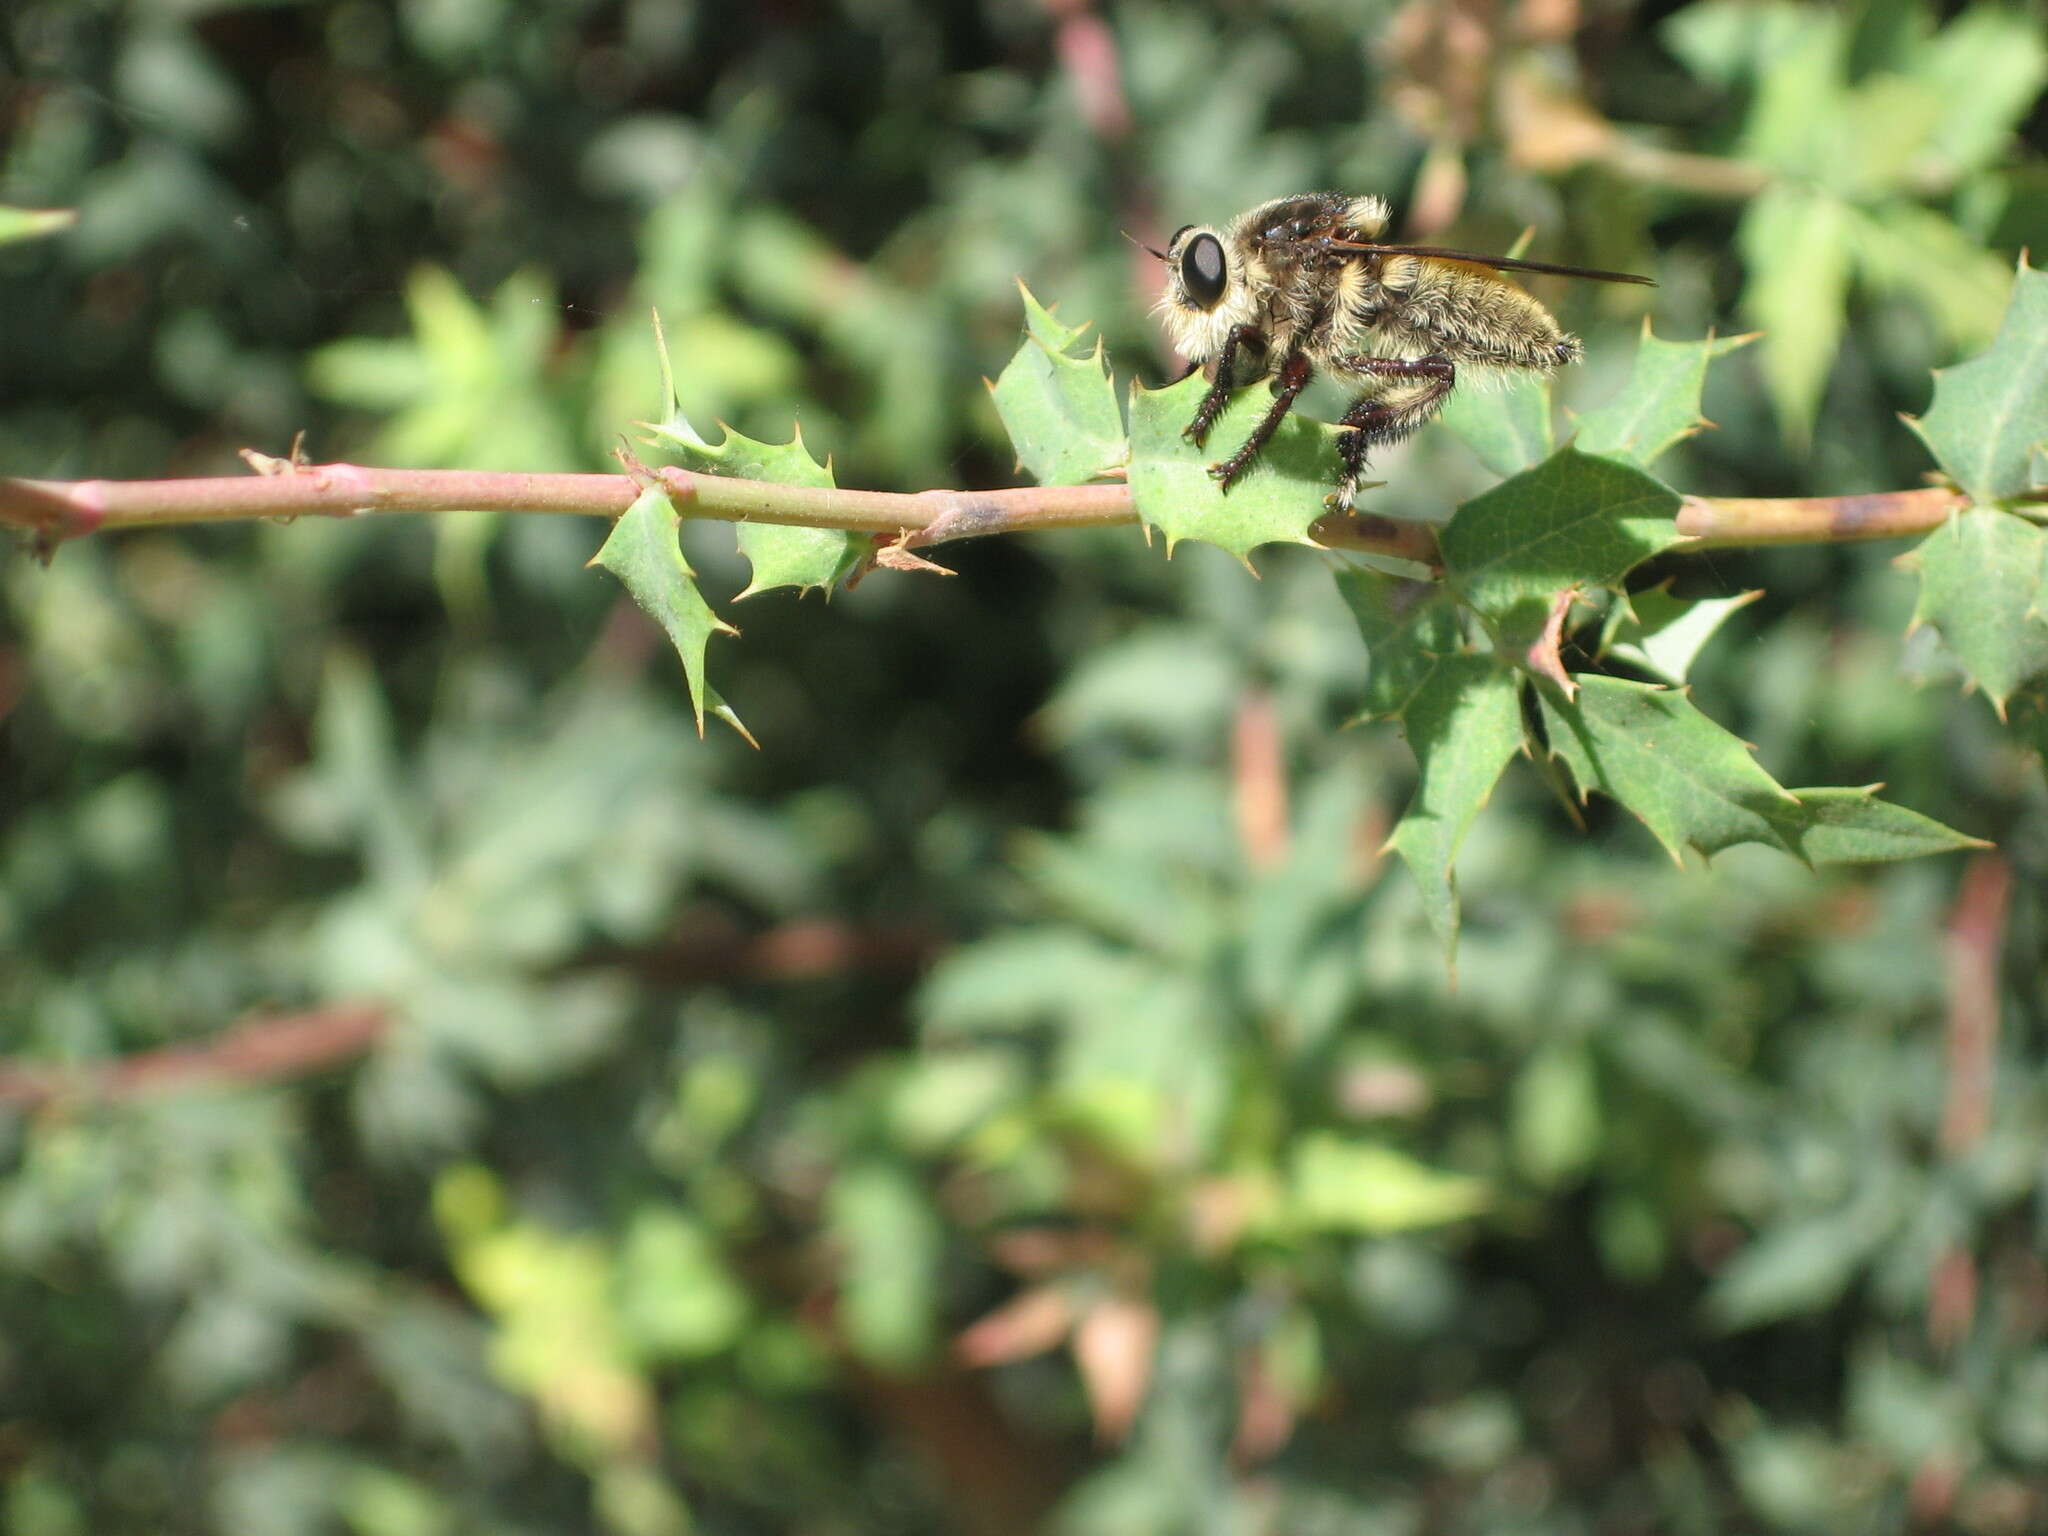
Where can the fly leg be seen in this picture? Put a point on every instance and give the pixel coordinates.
(1392, 412)
(1220, 387)
(1292, 379)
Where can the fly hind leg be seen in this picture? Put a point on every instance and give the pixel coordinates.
(1414, 390)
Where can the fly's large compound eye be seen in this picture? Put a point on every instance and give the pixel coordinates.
(1203, 271)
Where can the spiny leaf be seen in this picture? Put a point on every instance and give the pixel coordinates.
(1463, 723)
(1651, 750)
(1408, 627)
(1693, 784)
(1046, 328)
(780, 556)
(1663, 634)
(643, 553)
(1276, 500)
(1461, 712)
(1991, 413)
(1572, 521)
(1853, 826)
(1980, 586)
(1506, 423)
(1059, 409)
(1660, 405)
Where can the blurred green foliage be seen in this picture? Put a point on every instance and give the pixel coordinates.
(1021, 1098)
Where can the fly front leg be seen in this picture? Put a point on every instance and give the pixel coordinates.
(1220, 387)
(1292, 379)
(1414, 391)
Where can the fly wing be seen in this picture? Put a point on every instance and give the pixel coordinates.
(1513, 263)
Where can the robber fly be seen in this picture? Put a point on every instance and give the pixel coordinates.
(1303, 284)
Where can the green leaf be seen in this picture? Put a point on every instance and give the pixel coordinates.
(1408, 626)
(1795, 243)
(1046, 328)
(1275, 502)
(33, 223)
(677, 1299)
(1574, 521)
(781, 556)
(1986, 67)
(1507, 426)
(1853, 826)
(1463, 723)
(1059, 409)
(1980, 586)
(1692, 783)
(1904, 248)
(1663, 634)
(1659, 407)
(1652, 751)
(1340, 1185)
(1554, 1119)
(1991, 413)
(643, 553)
(891, 1243)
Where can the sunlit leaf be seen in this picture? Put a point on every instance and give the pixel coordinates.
(643, 552)
(1464, 724)
(1981, 587)
(1278, 497)
(1695, 785)
(1058, 407)
(1659, 407)
(1663, 634)
(1505, 422)
(1991, 414)
(780, 555)
(1650, 749)
(1573, 521)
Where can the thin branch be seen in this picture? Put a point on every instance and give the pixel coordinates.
(52, 511)
(1730, 522)
(55, 510)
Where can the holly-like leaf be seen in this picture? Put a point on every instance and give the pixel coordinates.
(780, 556)
(643, 553)
(1506, 422)
(1572, 521)
(1663, 634)
(1991, 414)
(1659, 407)
(1463, 723)
(1693, 784)
(1853, 826)
(1980, 586)
(1650, 749)
(1275, 501)
(1046, 328)
(1058, 407)
(1408, 627)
